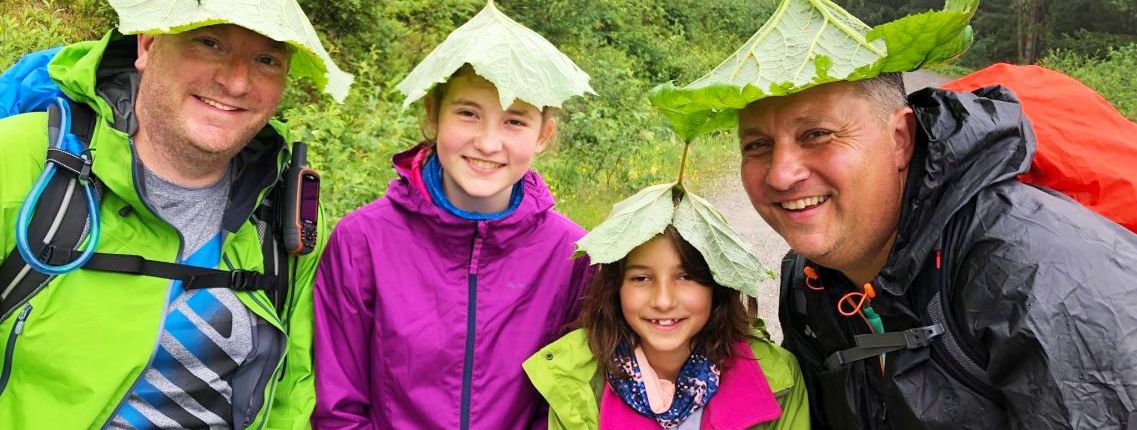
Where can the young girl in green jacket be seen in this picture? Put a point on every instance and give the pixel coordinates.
(663, 345)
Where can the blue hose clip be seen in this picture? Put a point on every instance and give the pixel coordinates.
(66, 141)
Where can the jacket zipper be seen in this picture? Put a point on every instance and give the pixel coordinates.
(165, 303)
(16, 330)
(471, 314)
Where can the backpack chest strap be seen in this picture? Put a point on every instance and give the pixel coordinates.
(872, 345)
(192, 277)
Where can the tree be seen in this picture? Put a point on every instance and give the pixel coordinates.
(1029, 30)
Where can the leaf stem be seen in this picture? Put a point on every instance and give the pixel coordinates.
(683, 161)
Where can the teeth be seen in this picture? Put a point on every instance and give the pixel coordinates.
(217, 104)
(804, 203)
(666, 322)
(484, 164)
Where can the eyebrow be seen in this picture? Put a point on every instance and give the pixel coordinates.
(806, 118)
(473, 104)
(283, 47)
(465, 102)
(645, 267)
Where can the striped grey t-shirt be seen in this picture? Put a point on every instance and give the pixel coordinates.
(207, 333)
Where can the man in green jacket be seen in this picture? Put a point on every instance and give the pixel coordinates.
(186, 151)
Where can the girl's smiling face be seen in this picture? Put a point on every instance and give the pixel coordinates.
(484, 149)
(662, 303)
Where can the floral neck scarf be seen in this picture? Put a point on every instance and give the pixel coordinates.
(697, 382)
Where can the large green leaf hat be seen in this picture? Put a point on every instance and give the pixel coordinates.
(806, 43)
(646, 214)
(280, 20)
(517, 60)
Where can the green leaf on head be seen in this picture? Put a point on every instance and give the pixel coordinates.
(517, 60)
(729, 257)
(641, 217)
(806, 43)
(632, 222)
(280, 20)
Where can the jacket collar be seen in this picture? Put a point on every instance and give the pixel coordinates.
(409, 193)
(744, 399)
(965, 142)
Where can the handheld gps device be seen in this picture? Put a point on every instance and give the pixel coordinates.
(301, 203)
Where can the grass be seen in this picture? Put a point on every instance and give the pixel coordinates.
(710, 160)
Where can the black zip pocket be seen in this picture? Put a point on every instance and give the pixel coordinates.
(16, 330)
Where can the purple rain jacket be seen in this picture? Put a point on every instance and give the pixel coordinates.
(422, 319)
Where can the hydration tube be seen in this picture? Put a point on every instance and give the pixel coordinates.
(67, 142)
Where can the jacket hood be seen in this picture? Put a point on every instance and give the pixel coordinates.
(101, 74)
(964, 143)
(409, 193)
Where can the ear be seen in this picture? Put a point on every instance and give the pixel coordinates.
(431, 106)
(145, 50)
(903, 127)
(548, 129)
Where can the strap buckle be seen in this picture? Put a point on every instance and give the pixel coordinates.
(872, 345)
(243, 280)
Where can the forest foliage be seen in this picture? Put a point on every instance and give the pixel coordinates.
(614, 143)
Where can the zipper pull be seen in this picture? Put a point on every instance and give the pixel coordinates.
(20, 319)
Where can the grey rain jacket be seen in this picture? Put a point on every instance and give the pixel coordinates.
(1044, 289)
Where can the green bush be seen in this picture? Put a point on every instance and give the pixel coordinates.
(1111, 76)
(39, 24)
(1089, 44)
(610, 144)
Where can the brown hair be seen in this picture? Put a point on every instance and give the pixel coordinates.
(603, 318)
(436, 95)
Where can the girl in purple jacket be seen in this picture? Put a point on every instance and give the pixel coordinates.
(428, 300)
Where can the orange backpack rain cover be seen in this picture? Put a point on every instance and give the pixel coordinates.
(1086, 148)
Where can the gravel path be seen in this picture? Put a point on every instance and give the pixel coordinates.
(732, 201)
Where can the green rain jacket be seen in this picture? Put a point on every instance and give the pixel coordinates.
(76, 348)
(566, 373)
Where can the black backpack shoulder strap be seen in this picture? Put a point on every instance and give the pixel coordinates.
(277, 260)
(60, 217)
(59, 226)
(952, 345)
(957, 350)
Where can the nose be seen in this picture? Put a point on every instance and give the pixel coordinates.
(489, 141)
(235, 77)
(786, 166)
(663, 295)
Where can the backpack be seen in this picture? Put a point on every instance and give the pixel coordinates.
(60, 221)
(1086, 148)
